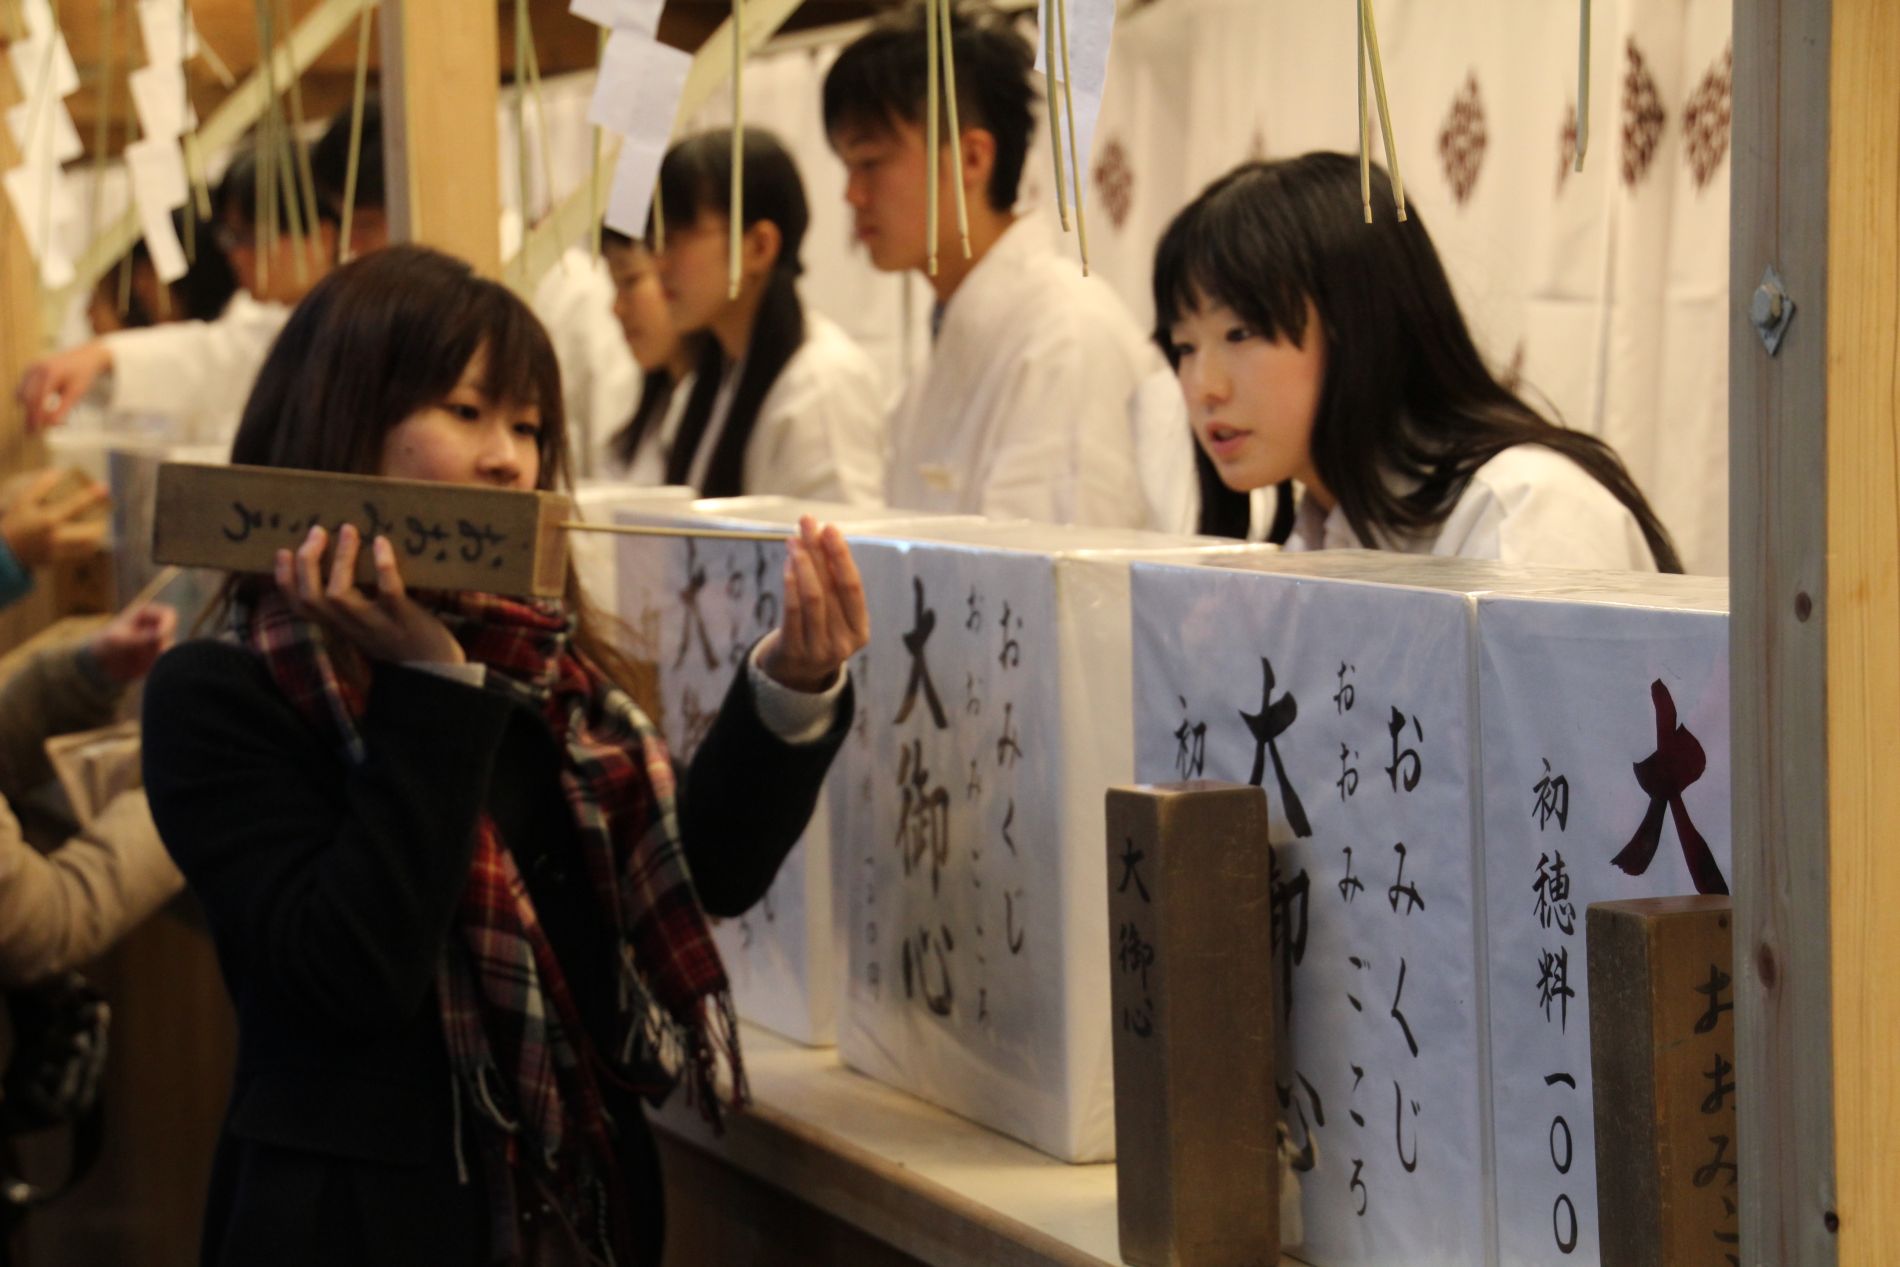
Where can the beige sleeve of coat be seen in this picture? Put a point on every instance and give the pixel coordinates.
(52, 694)
(63, 909)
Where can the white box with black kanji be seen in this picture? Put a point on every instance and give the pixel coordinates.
(1605, 734)
(995, 711)
(695, 606)
(1343, 685)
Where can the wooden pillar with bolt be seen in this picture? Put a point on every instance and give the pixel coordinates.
(1815, 549)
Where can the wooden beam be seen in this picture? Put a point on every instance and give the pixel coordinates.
(1778, 552)
(1863, 610)
(441, 89)
(712, 66)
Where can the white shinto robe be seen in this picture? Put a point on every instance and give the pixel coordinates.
(820, 429)
(1023, 407)
(1529, 504)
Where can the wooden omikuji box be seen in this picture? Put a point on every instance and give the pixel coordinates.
(1342, 686)
(447, 536)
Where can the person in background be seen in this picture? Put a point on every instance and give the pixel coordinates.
(199, 372)
(1022, 408)
(599, 378)
(200, 295)
(458, 893)
(62, 909)
(782, 400)
(1313, 347)
(40, 524)
(637, 451)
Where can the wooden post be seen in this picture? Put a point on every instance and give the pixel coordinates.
(19, 346)
(1863, 615)
(1778, 670)
(1191, 970)
(1815, 543)
(441, 90)
(19, 310)
(1662, 1061)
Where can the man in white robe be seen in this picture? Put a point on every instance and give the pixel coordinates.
(198, 374)
(1023, 407)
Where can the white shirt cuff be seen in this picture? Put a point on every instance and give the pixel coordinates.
(467, 674)
(796, 717)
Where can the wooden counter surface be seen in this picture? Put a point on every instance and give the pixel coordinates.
(935, 1187)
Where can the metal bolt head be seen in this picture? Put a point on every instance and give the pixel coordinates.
(1771, 310)
(1766, 306)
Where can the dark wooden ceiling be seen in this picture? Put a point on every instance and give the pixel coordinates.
(563, 43)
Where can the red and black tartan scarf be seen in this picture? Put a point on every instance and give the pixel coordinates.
(515, 1040)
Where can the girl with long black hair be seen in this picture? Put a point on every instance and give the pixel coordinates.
(782, 400)
(637, 451)
(459, 898)
(1315, 348)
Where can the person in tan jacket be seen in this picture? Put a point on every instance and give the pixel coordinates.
(60, 909)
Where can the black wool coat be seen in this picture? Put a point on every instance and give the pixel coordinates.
(329, 891)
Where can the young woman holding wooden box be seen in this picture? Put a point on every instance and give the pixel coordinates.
(460, 904)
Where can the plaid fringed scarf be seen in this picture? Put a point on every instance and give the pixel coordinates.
(519, 1051)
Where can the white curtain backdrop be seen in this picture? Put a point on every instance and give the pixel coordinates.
(1602, 292)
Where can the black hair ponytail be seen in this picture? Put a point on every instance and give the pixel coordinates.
(696, 175)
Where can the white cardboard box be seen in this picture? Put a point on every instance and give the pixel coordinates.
(1577, 689)
(1342, 685)
(695, 606)
(996, 710)
(1490, 670)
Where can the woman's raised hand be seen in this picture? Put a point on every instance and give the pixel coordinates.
(388, 625)
(131, 642)
(825, 621)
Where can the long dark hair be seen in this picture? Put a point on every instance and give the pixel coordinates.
(1406, 397)
(696, 176)
(375, 341)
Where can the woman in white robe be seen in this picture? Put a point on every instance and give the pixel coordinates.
(1319, 352)
(782, 401)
